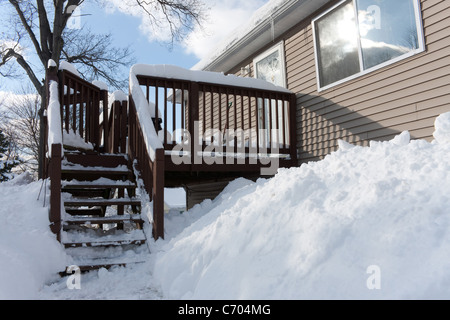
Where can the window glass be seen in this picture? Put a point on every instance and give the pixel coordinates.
(270, 69)
(337, 44)
(387, 30)
(358, 35)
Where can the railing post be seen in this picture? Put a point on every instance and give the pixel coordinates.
(158, 195)
(123, 126)
(55, 190)
(193, 117)
(104, 98)
(293, 129)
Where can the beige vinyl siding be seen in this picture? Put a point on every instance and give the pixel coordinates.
(407, 95)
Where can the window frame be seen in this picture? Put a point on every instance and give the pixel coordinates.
(278, 47)
(420, 49)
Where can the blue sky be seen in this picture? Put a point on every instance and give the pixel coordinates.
(125, 31)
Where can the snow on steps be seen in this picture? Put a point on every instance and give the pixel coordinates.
(102, 225)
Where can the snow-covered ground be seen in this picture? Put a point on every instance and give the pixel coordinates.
(364, 223)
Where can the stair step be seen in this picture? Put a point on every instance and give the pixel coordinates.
(95, 159)
(101, 202)
(78, 172)
(90, 185)
(84, 212)
(107, 263)
(135, 218)
(94, 239)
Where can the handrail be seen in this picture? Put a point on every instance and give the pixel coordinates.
(150, 164)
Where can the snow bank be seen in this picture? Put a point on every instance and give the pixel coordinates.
(30, 255)
(442, 128)
(364, 223)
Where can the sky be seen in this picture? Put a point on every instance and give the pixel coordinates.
(130, 28)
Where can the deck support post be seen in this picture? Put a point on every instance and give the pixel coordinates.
(158, 195)
(55, 190)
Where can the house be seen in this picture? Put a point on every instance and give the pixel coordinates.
(300, 76)
(361, 69)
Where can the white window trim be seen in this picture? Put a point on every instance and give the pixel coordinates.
(278, 47)
(420, 49)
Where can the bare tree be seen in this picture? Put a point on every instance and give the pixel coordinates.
(42, 25)
(21, 125)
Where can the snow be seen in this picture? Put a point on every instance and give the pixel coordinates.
(118, 95)
(54, 117)
(30, 256)
(175, 72)
(73, 139)
(145, 112)
(100, 84)
(64, 65)
(51, 63)
(442, 128)
(364, 223)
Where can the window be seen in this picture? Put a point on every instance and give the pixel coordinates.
(358, 36)
(270, 66)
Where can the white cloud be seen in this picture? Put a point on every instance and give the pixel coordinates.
(223, 16)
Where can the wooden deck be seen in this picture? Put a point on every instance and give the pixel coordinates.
(198, 132)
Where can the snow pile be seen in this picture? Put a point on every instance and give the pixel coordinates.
(30, 256)
(442, 128)
(364, 223)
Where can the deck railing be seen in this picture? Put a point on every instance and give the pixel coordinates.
(236, 120)
(81, 104)
(207, 125)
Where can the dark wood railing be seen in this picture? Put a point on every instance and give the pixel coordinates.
(117, 127)
(80, 108)
(246, 121)
(242, 119)
(249, 121)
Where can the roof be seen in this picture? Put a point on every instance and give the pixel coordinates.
(264, 27)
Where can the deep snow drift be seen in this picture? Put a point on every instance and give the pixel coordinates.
(364, 223)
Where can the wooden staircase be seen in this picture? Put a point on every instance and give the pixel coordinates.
(102, 225)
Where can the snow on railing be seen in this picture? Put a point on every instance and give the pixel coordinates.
(145, 112)
(175, 72)
(54, 118)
